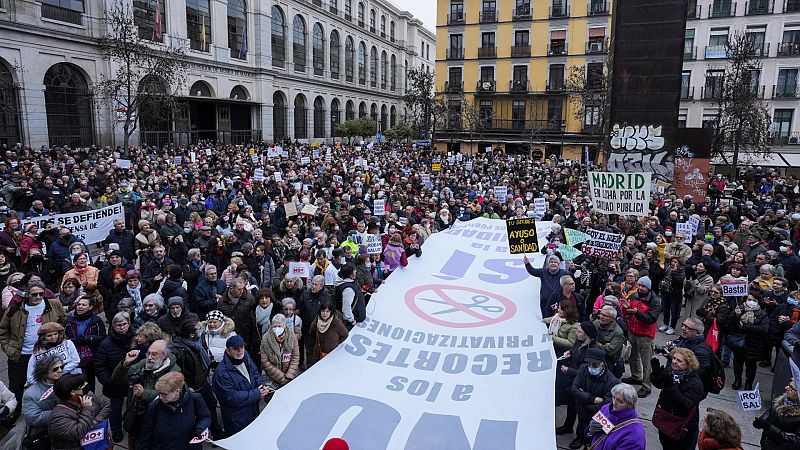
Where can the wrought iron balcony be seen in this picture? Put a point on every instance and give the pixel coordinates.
(689, 54)
(61, 14)
(455, 18)
(722, 9)
(453, 86)
(558, 10)
(784, 90)
(758, 7)
(488, 15)
(518, 85)
(520, 50)
(455, 53)
(485, 86)
(598, 8)
(522, 13)
(487, 52)
(557, 48)
(789, 49)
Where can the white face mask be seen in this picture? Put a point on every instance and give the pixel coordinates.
(278, 331)
(342, 260)
(367, 264)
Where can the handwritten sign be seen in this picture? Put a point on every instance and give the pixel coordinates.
(436, 167)
(309, 210)
(258, 175)
(686, 229)
(305, 160)
(539, 206)
(124, 163)
(299, 269)
(522, 236)
(501, 193)
(291, 209)
(278, 176)
(374, 244)
(602, 244)
(379, 207)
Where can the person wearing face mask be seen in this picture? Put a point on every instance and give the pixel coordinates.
(86, 331)
(280, 353)
(77, 411)
(681, 393)
(790, 262)
(590, 389)
(176, 417)
(238, 386)
(53, 341)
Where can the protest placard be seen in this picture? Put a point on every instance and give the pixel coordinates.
(522, 236)
(734, 287)
(309, 210)
(273, 152)
(575, 237)
(315, 153)
(627, 194)
(750, 400)
(258, 175)
(539, 206)
(501, 193)
(602, 244)
(124, 163)
(374, 246)
(305, 160)
(694, 221)
(436, 167)
(87, 226)
(208, 152)
(299, 269)
(379, 207)
(426, 180)
(278, 176)
(254, 158)
(291, 209)
(686, 229)
(178, 160)
(568, 253)
(468, 166)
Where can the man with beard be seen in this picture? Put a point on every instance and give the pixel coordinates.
(177, 315)
(154, 271)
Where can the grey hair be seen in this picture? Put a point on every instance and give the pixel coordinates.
(696, 323)
(39, 284)
(610, 310)
(209, 267)
(159, 300)
(288, 301)
(768, 267)
(319, 278)
(564, 279)
(119, 317)
(627, 393)
(192, 252)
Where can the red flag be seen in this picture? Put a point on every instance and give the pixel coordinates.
(712, 339)
(157, 32)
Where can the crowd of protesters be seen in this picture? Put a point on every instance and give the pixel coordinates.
(189, 317)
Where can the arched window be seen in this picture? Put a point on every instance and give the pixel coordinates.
(299, 43)
(371, 20)
(237, 28)
(278, 116)
(9, 111)
(68, 104)
(362, 110)
(150, 18)
(198, 24)
(278, 37)
(349, 58)
(362, 63)
(393, 74)
(361, 14)
(373, 112)
(384, 118)
(384, 70)
(373, 67)
(300, 117)
(348, 9)
(335, 116)
(319, 117)
(392, 116)
(349, 111)
(335, 51)
(239, 93)
(383, 26)
(318, 49)
(391, 31)
(200, 89)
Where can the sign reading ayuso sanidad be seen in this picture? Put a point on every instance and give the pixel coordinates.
(522, 236)
(627, 194)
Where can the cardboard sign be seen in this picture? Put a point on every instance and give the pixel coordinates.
(540, 207)
(436, 167)
(305, 160)
(602, 244)
(258, 175)
(299, 269)
(426, 180)
(501, 193)
(468, 166)
(627, 194)
(374, 246)
(309, 210)
(278, 176)
(178, 160)
(522, 236)
(208, 152)
(603, 421)
(379, 207)
(695, 223)
(291, 209)
(686, 228)
(734, 287)
(750, 400)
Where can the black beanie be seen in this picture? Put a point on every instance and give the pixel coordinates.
(589, 328)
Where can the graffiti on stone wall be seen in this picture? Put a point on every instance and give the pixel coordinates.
(691, 173)
(640, 148)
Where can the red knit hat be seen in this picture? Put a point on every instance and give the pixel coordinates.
(336, 444)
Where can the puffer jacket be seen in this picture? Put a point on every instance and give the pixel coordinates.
(644, 320)
(69, 423)
(168, 427)
(784, 423)
(756, 335)
(12, 326)
(109, 354)
(38, 402)
(585, 387)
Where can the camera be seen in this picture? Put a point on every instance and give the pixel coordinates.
(664, 349)
(136, 378)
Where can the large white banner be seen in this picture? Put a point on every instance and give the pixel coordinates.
(627, 194)
(89, 226)
(453, 355)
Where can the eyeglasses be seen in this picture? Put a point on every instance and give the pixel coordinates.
(149, 305)
(683, 325)
(36, 294)
(57, 369)
(604, 315)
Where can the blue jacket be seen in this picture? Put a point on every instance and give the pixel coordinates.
(204, 298)
(551, 282)
(171, 428)
(238, 398)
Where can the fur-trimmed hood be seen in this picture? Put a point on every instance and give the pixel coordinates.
(227, 327)
(785, 410)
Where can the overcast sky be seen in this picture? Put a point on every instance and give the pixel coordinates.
(424, 10)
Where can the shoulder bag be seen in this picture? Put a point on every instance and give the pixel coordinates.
(671, 425)
(616, 427)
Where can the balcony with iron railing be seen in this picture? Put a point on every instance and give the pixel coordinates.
(453, 87)
(61, 14)
(789, 49)
(372, 30)
(518, 85)
(555, 86)
(758, 90)
(791, 6)
(597, 46)
(522, 13)
(455, 53)
(598, 8)
(316, 3)
(361, 23)
(559, 10)
(333, 9)
(488, 15)
(687, 93)
(485, 85)
(758, 7)
(785, 90)
(518, 51)
(557, 48)
(689, 54)
(487, 52)
(789, 138)
(348, 17)
(455, 18)
(711, 93)
(760, 51)
(722, 9)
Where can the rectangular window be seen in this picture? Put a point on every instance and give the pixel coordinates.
(787, 83)
(714, 84)
(518, 114)
(487, 73)
(488, 11)
(554, 111)
(485, 110)
(594, 75)
(688, 45)
(556, 79)
(709, 119)
(487, 40)
(782, 122)
(144, 17)
(198, 24)
(69, 11)
(454, 78)
(685, 80)
(520, 73)
(558, 42)
(719, 36)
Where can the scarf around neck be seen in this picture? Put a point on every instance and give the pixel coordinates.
(276, 349)
(322, 325)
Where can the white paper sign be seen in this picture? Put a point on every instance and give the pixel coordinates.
(468, 166)
(426, 180)
(603, 421)
(686, 229)
(373, 242)
(539, 206)
(449, 401)
(305, 160)
(328, 158)
(273, 153)
(734, 287)
(278, 176)
(178, 160)
(124, 163)
(695, 223)
(750, 400)
(379, 207)
(501, 193)
(203, 437)
(193, 155)
(627, 194)
(258, 175)
(299, 269)
(208, 152)
(315, 153)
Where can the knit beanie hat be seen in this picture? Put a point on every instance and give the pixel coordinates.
(336, 444)
(645, 281)
(216, 315)
(589, 329)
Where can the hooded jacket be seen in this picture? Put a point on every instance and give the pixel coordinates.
(783, 424)
(170, 325)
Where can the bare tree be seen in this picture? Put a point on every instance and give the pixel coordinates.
(589, 95)
(743, 122)
(419, 98)
(146, 75)
(471, 121)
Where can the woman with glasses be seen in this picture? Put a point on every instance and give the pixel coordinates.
(38, 401)
(53, 341)
(715, 308)
(176, 417)
(109, 354)
(152, 310)
(77, 411)
(781, 423)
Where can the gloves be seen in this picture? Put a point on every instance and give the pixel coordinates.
(760, 423)
(4, 412)
(198, 433)
(655, 365)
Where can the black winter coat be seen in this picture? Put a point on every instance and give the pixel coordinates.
(308, 306)
(109, 354)
(586, 387)
(243, 314)
(784, 423)
(678, 398)
(168, 427)
(756, 335)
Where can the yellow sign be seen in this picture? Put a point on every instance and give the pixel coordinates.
(436, 167)
(252, 151)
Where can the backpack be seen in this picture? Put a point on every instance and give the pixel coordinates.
(714, 376)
